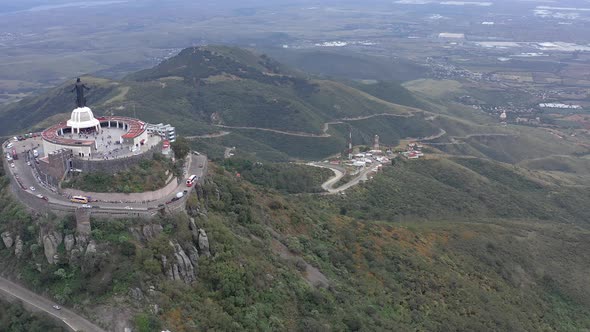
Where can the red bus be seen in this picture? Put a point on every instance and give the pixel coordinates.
(191, 180)
(14, 154)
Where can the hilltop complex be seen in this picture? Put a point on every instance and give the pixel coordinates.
(98, 138)
(87, 144)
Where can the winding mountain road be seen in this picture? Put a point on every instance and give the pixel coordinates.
(339, 173)
(75, 322)
(325, 126)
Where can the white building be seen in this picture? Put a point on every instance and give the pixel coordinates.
(166, 131)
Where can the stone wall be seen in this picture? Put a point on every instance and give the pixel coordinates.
(113, 166)
(147, 196)
(52, 170)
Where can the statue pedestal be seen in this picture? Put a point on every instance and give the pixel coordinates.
(82, 118)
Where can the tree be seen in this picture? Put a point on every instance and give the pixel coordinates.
(180, 147)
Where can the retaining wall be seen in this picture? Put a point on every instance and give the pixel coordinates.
(147, 196)
(112, 166)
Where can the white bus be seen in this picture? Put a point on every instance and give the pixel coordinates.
(191, 180)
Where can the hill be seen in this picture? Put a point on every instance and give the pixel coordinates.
(230, 97)
(203, 87)
(314, 263)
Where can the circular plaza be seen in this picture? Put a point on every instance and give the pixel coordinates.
(101, 138)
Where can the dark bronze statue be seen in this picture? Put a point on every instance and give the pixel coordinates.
(79, 88)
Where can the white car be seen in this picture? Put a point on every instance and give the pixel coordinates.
(28, 163)
(56, 307)
(12, 165)
(128, 208)
(87, 206)
(9, 145)
(32, 188)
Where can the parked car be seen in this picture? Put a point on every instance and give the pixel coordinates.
(32, 188)
(56, 307)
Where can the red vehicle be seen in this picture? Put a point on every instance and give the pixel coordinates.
(191, 180)
(14, 154)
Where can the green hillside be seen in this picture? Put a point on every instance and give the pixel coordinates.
(484, 260)
(33, 110)
(466, 188)
(206, 90)
(350, 65)
(207, 86)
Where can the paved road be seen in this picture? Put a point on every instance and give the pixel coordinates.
(76, 322)
(197, 164)
(339, 174)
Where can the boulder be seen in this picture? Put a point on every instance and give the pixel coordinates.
(75, 257)
(151, 231)
(69, 242)
(185, 266)
(146, 232)
(167, 268)
(175, 272)
(136, 233)
(194, 230)
(203, 243)
(90, 250)
(193, 255)
(136, 294)
(18, 247)
(90, 257)
(50, 243)
(81, 240)
(7, 239)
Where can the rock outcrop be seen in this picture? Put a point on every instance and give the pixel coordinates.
(69, 242)
(50, 243)
(81, 240)
(193, 255)
(181, 266)
(152, 231)
(146, 232)
(167, 269)
(194, 230)
(136, 294)
(7, 239)
(203, 243)
(91, 258)
(185, 266)
(76, 257)
(18, 247)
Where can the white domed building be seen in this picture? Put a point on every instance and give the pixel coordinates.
(82, 118)
(102, 138)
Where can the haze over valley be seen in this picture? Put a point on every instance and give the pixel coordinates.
(411, 165)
